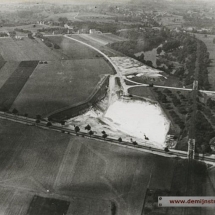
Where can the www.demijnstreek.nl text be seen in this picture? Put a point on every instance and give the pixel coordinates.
(186, 201)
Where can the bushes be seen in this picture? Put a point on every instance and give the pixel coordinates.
(49, 44)
(23, 31)
(56, 46)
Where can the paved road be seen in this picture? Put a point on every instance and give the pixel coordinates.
(58, 128)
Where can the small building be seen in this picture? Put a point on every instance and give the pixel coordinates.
(83, 31)
(67, 26)
(18, 37)
(190, 29)
(93, 31)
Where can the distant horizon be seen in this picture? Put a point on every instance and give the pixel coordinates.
(83, 1)
(58, 1)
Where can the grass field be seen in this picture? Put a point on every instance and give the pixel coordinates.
(2, 63)
(142, 92)
(26, 49)
(34, 160)
(80, 16)
(211, 49)
(73, 49)
(105, 49)
(48, 206)
(87, 16)
(14, 84)
(103, 39)
(60, 84)
(7, 70)
(24, 27)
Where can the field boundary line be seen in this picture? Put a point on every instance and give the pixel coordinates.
(64, 160)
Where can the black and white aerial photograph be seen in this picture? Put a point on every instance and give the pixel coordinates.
(107, 107)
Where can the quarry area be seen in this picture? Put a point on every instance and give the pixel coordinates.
(132, 119)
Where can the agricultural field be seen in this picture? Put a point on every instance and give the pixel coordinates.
(104, 39)
(69, 16)
(84, 16)
(105, 49)
(59, 85)
(211, 49)
(34, 166)
(92, 175)
(81, 16)
(26, 50)
(6, 70)
(73, 49)
(34, 161)
(12, 87)
(31, 28)
(173, 21)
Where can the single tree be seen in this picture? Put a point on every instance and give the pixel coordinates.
(120, 139)
(104, 135)
(15, 111)
(62, 122)
(91, 132)
(48, 124)
(166, 149)
(135, 143)
(49, 119)
(38, 117)
(77, 129)
(88, 127)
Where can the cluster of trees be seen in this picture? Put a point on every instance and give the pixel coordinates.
(126, 47)
(204, 133)
(3, 34)
(47, 41)
(211, 103)
(56, 30)
(170, 45)
(203, 62)
(186, 55)
(179, 47)
(162, 96)
(177, 119)
(140, 41)
(63, 20)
